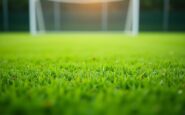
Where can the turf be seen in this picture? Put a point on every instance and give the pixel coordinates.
(92, 73)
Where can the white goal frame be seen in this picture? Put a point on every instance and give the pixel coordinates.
(134, 18)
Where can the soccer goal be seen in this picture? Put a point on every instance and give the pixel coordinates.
(84, 15)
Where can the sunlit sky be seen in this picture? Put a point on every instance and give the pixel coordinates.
(84, 1)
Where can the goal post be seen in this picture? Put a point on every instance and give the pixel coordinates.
(32, 17)
(81, 15)
(135, 19)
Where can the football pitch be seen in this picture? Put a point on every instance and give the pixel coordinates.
(92, 74)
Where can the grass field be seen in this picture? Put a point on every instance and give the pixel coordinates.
(92, 73)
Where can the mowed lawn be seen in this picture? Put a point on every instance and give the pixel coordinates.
(92, 73)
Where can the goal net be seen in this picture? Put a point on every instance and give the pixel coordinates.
(84, 15)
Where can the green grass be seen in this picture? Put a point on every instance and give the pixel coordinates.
(92, 73)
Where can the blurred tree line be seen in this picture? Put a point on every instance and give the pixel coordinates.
(152, 16)
(145, 4)
(158, 4)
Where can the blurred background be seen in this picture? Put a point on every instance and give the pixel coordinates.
(155, 15)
